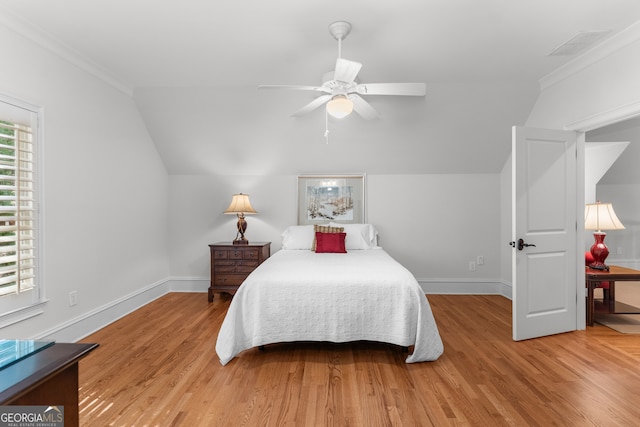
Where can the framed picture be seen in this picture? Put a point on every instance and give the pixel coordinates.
(324, 198)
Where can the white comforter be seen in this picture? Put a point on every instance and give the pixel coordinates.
(300, 295)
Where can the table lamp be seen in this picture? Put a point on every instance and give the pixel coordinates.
(240, 206)
(600, 216)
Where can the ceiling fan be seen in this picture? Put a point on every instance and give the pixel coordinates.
(341, 88)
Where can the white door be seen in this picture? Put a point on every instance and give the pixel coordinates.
(544, 220)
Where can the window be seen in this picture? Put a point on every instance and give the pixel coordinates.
(19, 281)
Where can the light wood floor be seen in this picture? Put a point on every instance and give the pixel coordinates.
(158, 367)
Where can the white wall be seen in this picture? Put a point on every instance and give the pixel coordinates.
(602, 84)
(454, 219)
(106, 192)
(117, 225)
(598, 159)
(240, 130)
(620, 186)
(624, 245)
(596, 89)
(120, 231)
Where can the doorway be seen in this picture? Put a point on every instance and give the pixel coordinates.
(620, 185)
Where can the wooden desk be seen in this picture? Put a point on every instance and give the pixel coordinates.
(615, 274)
(48, 377)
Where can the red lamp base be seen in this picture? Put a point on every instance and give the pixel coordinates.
(599, 251)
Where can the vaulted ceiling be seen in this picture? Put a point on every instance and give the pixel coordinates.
(193, 67)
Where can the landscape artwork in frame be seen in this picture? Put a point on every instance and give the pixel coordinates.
(324, 198)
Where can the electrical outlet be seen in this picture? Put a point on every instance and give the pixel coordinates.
(480, 260)
(619, 251)
(472, 266)
(73, 298)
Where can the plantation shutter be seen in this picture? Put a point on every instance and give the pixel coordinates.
(17, 209)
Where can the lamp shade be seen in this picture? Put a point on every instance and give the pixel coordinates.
(601, 216)
(240, 205)
(340, 106)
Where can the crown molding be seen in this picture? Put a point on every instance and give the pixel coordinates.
(606, 118)
(60, 49)
(611, 45)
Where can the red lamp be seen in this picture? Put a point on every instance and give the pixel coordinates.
(600, 216)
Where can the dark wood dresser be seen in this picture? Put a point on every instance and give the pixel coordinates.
(231, 264)
(45, 378)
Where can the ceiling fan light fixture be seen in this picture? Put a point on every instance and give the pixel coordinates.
(340, 106)
(341, 89)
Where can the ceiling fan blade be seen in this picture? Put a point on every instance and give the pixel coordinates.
(406, 89)
(346, 71)
(312, 105)
(362, 107)
(296, 87)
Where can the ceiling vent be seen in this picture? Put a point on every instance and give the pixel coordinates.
(579, 43)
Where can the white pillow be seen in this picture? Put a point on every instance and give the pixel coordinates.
(298, 237)
(373, 236)
(359, 236)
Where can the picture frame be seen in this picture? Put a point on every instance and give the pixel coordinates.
(325, 198)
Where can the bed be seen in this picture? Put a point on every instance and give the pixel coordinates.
(357, 293)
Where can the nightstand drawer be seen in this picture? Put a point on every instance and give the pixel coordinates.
(231, 264)
(246, 269)
(223, 269)
(235, 268)
(251, 254)
(252, 264)
(220, 254)
(230, 279)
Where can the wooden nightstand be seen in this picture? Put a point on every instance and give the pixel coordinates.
(231, 264)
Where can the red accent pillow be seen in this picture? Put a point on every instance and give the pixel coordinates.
(330, 243)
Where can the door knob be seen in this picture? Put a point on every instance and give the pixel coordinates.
(522, 244)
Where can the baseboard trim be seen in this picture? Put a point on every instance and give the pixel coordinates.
(80, 327)
(466, 287)
(189, 284)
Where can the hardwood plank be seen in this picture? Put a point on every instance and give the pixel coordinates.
(158, 367)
